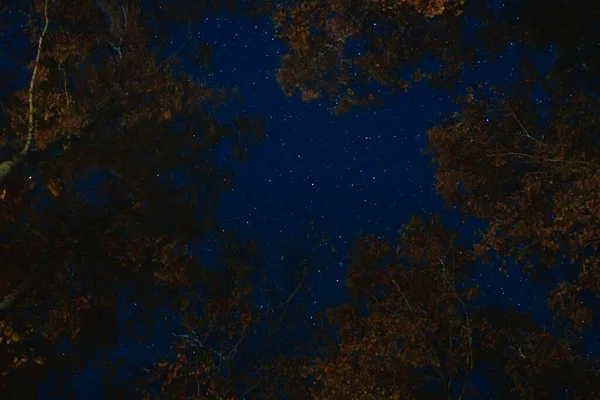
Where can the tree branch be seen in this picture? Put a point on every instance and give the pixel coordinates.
(469, 332)
(433, 343)
(8, 166)
(110, 100)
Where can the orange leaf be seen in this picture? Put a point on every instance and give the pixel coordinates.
(53, 188)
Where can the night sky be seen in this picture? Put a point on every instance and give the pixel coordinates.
(362, 172)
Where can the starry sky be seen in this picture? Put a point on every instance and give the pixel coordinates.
(361, 172)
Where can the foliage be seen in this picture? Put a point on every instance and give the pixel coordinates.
(412, 329)
(96, 214)
(529, 167)
(108, 178)
(408, 324)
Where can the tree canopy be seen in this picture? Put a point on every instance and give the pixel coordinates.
(111, 170)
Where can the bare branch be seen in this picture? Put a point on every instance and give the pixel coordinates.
(291, 296)
(469, 333)
(526, 133)
(65, 89)
(124, 16)
(117, 49)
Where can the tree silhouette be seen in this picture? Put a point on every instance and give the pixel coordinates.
(413, 329)
(406, 325)
(528, 164)
(113, 179)
(524, 360)
(338, 48)
(235, 324)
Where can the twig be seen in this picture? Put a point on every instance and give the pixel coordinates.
(176, 51)
(253, 387)
(469, 333)
(291, 296)
(522, 126)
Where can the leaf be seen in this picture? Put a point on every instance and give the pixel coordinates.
(53, 188)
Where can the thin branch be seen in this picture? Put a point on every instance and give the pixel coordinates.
(124, 16)
(193, 341)
(189, 38)
(235, 347)
(253, 387)
(431, 341)
(291, 296)
(521, 125)
(60, 67)
(117, 49)
(12, 299)
(550, 160)
(511, 154)
(469, 332)
(403, 296)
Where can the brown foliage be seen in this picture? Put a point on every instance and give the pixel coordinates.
(528, 362)
(530, 167)
(532, 182)
(97, 216)
(412, 330)
(405, 325)
(395, 34)
(106, 106)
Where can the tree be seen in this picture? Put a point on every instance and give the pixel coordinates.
(530, 170)
(235, 323)
(407, 325)
(219, 318)
(532, 25)
(338, 47)
(525, 157)
(109, 181)
(526, 361)
(413, 329)
(117, 181)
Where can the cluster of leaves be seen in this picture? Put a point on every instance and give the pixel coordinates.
(526, 158)
(338, 48)
(217, 318)
(538, 180)
(406, 324)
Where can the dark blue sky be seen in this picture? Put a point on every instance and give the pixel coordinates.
(360, 172)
